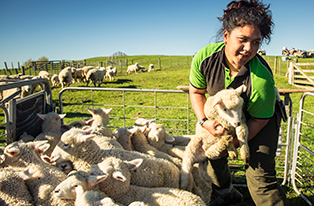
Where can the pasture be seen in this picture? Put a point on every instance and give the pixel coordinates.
(174, 71)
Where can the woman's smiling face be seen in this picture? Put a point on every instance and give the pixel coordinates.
(242, 43)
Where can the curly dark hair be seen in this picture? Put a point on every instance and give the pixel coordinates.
(252, 12)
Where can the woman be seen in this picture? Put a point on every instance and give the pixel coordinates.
(229, 64)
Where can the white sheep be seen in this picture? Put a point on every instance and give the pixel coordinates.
(150, 67)
(83, 187)
(83, 152)
(123, 136)
(78, 75)
(96, 76)
(118, 186)
(51, 129)
(55, 80)
(44, 74)
(13, 190)
(41, 181)
(226, 108)
(100, 116)
(133, 68)
(111, 73)
(65, 76)
(86, 69)
(140, 144)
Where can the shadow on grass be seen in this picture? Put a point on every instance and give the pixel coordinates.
(77, 114)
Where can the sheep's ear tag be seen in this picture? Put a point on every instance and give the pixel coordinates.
(41, 116)
(119, 176)
(133, 164)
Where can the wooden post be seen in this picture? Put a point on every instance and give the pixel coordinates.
(159, 62)
(279, 66)
(19, 67)
(275, 65)
(23, 70)
(34, 68)
(6, 67)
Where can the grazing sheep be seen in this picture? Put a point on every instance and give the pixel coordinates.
(55, 80)
(78, 75)
(83, 152)
(150, 67)
(13, 190)
(133, 68)
(111, 73)
(226, 108)
(44, 75)
(65, 76)
(118, 186)
(86, 69)
(51, 129)
(96, 76)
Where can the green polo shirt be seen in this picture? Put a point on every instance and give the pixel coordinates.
(208, 71)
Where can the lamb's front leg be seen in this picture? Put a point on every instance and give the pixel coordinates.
(192, 154)
(242, 134)
(214, 151)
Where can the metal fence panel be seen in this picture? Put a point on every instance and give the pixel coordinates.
(303, 158)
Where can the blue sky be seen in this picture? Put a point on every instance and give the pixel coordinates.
(79, 29)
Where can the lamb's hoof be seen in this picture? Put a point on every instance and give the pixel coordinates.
(245, 155)
(233, 155)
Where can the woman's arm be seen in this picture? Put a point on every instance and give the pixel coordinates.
(198, 100)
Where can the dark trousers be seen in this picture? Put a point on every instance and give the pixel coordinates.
(260, 172)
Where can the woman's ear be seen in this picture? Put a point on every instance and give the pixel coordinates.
(225, 35)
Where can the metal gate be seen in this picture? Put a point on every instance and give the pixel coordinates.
(302, 174)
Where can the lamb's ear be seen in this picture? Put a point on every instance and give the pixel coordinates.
(241, 89)
(41, 116)
(12, 151)
(2, 158)
(107, 111)
(217, 101)
(91, 111)
(169, 138)
(133, 164)
(47, 160)
(95, 179)
(39, 146)
(62, 116)
(89, 122)
(89, 130)
(133, 130)
(119, 176)
(84, 138)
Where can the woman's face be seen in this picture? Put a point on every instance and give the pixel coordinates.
(241, 45)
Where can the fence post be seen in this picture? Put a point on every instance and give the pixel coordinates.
(6, 67)
(275, 65)
(159, 62)
(279, 66)
(23, 70)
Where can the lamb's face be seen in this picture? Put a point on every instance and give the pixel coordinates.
(230, 108)
(66, 189)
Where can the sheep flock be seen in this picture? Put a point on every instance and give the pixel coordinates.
(86, 163)
(67, 76)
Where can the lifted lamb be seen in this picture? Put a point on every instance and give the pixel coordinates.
(226, 108)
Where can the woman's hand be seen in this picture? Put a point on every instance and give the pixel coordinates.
(214, 127)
